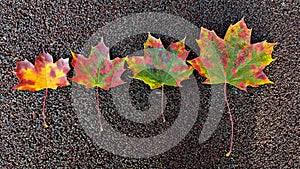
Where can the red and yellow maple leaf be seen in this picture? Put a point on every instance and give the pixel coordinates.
(43, 74)
(233, 60)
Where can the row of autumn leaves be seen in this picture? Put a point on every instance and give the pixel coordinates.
(231, 60)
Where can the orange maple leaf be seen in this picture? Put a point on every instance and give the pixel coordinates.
(43, 74)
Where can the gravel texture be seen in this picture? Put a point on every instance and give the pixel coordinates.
(266, 118)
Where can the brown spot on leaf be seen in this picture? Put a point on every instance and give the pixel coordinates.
(211, 35)
(59, 64)
(241, 58)
(259, 47)
(52, 73)
(252, 66)
(233, 72)
(29, 82)
(242, 86)
(242, 24)
(260, 75)
(225, 58)
(108, 79)
(243, 35)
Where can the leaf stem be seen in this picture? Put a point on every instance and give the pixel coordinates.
(231, 120)
(98, 109)
(43, 111)
(162, 103)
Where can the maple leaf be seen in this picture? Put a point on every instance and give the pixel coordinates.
(44, 74)
(158, 66)
(98, 70)
(232, 60)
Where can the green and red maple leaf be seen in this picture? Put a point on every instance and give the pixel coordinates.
(232, 60)
(159, 67)
(98, 70)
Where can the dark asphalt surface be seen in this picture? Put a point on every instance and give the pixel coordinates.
(266, 118)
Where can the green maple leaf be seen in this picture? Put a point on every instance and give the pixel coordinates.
(158, 66)
(232, 60)
(98, 70)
